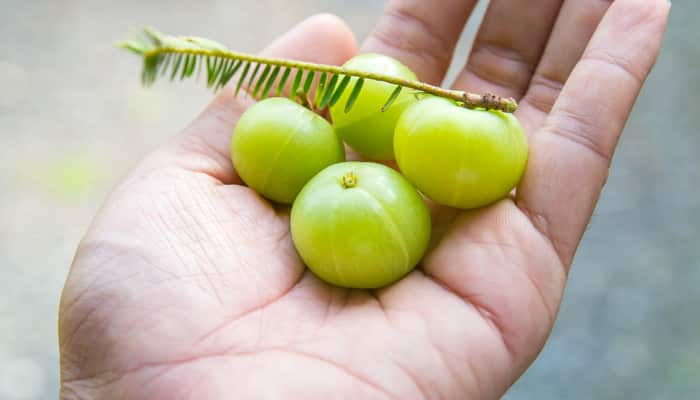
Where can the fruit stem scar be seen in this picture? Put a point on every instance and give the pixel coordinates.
(349, 180)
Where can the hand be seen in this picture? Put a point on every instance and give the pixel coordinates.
(187, 284)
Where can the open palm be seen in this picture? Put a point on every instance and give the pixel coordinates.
(187, 284)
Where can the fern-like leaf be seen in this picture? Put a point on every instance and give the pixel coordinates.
(185, 57)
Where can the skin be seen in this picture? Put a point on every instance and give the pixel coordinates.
(187, 284)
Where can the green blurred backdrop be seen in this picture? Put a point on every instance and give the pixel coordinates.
(73, 119)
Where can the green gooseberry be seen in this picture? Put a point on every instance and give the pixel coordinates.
(365, 128)
(278, 146)
(360, 225)
(459, 157)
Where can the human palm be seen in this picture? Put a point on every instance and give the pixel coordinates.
(187, 284)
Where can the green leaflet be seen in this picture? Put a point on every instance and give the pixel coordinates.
(328, 92)
(295, 85)
(354, 94)
(339, 91)
(320, 89)
(308, 82)
(283, 80)
(252, 76)
(392, 98)
(241, 79)
(263, 77)
(270, 82)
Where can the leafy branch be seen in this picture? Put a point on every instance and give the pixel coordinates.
(183, 57)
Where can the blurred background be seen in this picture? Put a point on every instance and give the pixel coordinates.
(73, 119)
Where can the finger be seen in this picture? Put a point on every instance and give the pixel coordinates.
(570, 155)
(508, 46)
(204, 145)
(420, 34)
(573, 30)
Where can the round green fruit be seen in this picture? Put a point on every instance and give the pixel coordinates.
(278, 146)
(460, 157)
(360, 225)
(365, 128)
